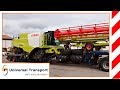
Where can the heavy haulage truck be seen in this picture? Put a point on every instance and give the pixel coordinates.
(73, 44)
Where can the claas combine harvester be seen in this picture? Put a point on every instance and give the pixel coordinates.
(73, 44)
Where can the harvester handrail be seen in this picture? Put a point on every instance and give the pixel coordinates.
(86, 26)
(102, 28)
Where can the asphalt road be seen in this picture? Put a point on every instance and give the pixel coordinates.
(76, 70)
(72, 70)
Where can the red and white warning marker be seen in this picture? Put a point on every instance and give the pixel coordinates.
(115, 45)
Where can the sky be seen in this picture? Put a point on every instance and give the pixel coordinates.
(20, 23)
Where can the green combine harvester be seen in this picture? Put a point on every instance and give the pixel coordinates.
(58, 45)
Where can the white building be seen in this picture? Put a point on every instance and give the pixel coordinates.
(6, 42)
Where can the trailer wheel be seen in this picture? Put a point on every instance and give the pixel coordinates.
(66, 51)
(104, 64)
(77, 59)
(89, 46)
(62, 58)
(77, 52)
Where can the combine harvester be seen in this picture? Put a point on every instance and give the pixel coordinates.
(87, 41)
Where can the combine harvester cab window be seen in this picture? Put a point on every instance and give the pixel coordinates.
(16, 36)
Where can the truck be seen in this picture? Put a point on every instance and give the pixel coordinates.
(79, 44)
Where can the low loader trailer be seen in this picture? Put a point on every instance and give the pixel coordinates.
(80, 44)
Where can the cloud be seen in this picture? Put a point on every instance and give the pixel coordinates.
(19, 23)
(32, 25)
(16, 16)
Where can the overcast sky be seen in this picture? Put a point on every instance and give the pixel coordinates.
(18, 23)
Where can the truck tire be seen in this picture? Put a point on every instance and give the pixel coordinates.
(104, 64)
(89, 46)
(77, 52)
(77, 59)
(65, 51)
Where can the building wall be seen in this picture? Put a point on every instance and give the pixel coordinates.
(7, 43)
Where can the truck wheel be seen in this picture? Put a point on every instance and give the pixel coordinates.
(77, 59)
(77, 52)
(89, 46)
(104, 64)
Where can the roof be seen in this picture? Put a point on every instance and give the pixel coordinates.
(5, 37)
